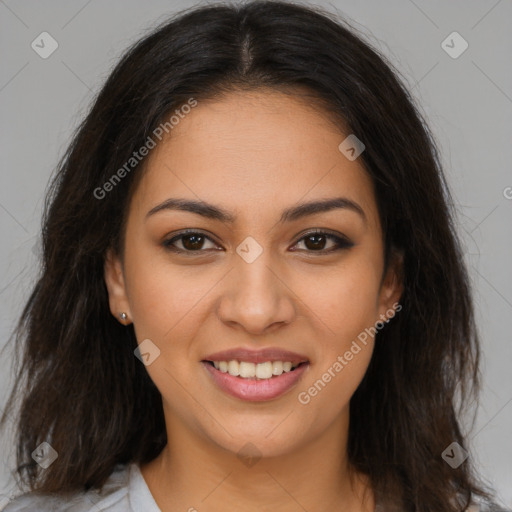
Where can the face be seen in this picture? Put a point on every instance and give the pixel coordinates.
(254, 272)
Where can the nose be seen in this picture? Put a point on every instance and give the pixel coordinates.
(256, 297)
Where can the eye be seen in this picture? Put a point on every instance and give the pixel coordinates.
(190, 240)
(315, 241)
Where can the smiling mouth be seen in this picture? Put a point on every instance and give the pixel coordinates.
(255, 371)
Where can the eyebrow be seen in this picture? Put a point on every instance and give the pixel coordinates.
(293, 213)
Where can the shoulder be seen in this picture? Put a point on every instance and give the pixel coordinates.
(113, 497)
(493, 507)
(486, 507)
(387, 504)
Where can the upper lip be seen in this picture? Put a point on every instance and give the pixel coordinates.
(257, 356)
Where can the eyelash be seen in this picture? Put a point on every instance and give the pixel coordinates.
(341, 242)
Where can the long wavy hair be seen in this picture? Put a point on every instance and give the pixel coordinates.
(79, 384)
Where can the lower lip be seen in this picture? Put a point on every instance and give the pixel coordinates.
(254, 390)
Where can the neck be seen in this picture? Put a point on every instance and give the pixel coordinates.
(193, 473)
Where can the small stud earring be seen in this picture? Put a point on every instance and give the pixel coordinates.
(123, 316)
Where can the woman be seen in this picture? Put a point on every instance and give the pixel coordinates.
(253, 297)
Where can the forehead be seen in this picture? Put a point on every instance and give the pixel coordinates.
(261, 149)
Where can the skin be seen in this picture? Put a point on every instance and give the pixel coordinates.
(239, 152)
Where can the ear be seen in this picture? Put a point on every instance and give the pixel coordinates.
(114, 279)
(391, 289)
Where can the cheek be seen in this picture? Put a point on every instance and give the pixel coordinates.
(163, 299)
(347, 305)
(354, 306)
(343, 351)
(345, 299)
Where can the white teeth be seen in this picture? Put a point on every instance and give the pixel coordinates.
(277, 368)
(247, 370)
(234, 368)
(264, 370)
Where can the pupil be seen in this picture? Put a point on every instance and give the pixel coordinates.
(192, 242)
(319, 241)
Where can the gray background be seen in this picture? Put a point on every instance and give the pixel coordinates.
(467, 102)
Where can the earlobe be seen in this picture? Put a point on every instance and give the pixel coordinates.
(114, 280)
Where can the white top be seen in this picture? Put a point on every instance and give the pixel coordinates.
(124, 491)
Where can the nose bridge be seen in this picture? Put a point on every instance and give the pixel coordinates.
(256, 296)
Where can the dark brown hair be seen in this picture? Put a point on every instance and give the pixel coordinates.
(81, 387)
